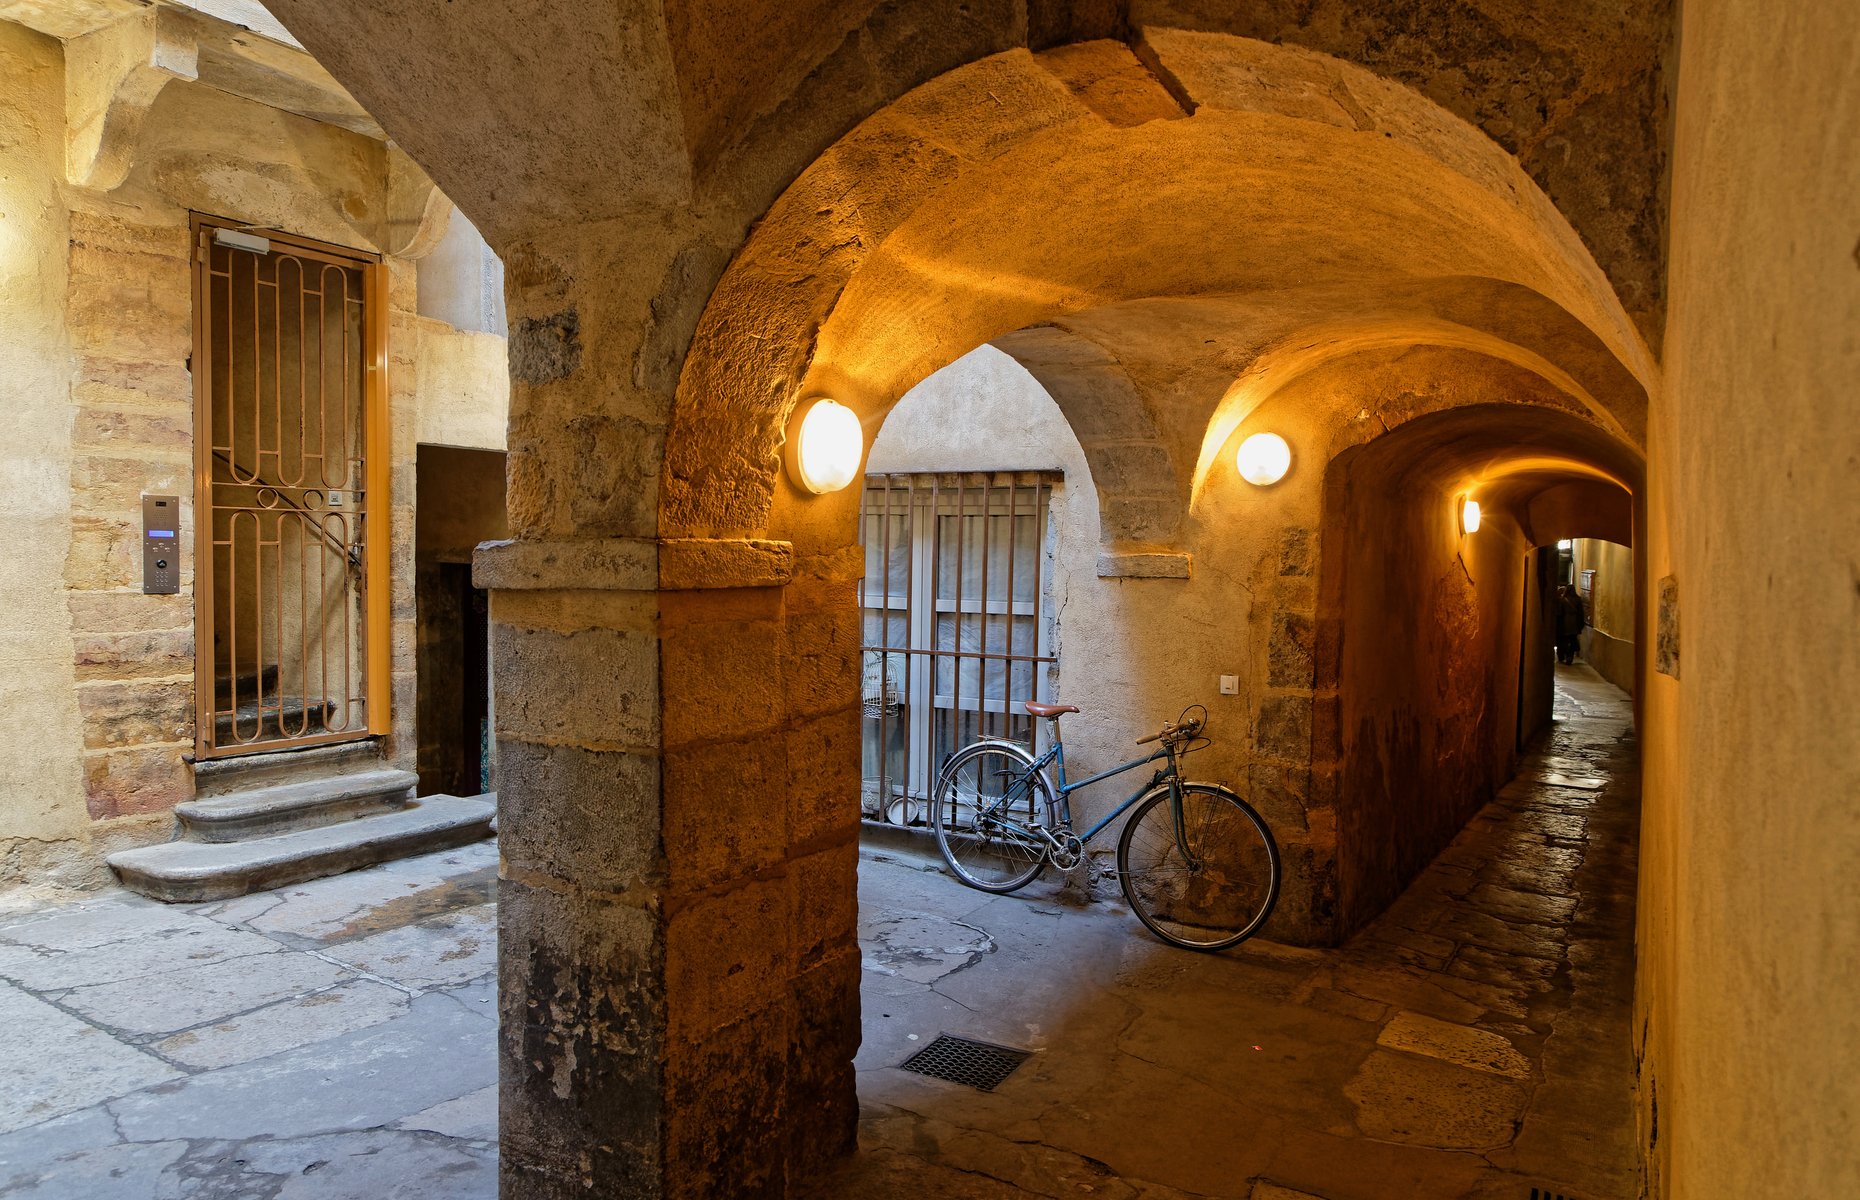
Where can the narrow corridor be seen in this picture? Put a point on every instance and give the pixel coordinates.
(1474, 1041)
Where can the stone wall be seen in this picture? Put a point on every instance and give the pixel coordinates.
(106, 683)
(42, 816)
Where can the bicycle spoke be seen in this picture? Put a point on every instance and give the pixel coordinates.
(1217, 892)
(988, 804)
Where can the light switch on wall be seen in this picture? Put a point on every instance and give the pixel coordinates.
(1230, 685)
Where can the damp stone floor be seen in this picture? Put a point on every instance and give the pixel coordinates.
(1473, 1042)
(329, 1040)
(336, 1039)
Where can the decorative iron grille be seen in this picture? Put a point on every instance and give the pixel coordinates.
(956, 605)
(290, 640)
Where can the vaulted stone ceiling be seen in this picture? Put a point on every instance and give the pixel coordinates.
(544, 111)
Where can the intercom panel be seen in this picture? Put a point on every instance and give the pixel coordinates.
(161, 545)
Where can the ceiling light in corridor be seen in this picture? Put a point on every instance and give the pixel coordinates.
(1469, 516)
(825, 444)
(1263, 459)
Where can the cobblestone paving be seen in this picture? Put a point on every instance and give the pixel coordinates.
(1471, 1042)
(330, 1040)
(337, 1039)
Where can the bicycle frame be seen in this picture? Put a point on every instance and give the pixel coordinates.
(1057, 755)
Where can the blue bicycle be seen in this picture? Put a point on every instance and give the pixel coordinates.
(1197, 864)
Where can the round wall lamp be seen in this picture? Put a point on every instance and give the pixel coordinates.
(1263, 459)
(1469, 516)
(825, 445)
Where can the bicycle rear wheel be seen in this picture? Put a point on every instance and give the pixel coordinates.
(1220, 897)
(984, 797)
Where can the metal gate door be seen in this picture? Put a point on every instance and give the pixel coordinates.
(956, 629)
(290, 639)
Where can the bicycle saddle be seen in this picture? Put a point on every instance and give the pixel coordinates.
(1048, 710)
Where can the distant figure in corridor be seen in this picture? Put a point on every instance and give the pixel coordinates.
(1570, 620)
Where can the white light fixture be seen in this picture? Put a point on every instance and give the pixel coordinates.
(1263, 459)
(1563, 545)
(1469, 516)
(825, 445)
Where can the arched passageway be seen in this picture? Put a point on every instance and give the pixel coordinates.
(1426, 667)
(1273, 271)
(828, 191)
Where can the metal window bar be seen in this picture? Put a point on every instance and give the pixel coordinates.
(289, 397)
(954, 616)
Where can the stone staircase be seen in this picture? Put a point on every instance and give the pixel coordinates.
(273, 836)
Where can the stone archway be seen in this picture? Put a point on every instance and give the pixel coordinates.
(892, 255)
(673, 622)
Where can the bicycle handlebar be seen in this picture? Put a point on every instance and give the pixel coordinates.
(1185, 730)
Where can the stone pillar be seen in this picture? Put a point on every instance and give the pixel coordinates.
(678, 801)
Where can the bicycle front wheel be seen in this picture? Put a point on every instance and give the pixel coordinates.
(988, 799)
(1217, 894)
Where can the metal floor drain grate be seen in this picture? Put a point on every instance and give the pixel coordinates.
(1547, 1194)
(981, 1065)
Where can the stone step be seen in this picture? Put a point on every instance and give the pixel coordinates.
(181, 872)
(267, 812)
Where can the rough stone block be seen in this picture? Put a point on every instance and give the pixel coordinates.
(1112, 83)
(627, 564)
(127, 612)
(726, 1131)
(825, 902)
(723, 675)
(113, 235)
(1128, 469)
(104, 554)
(403, 283)
(728, 953)
(1289, 651)
(149, 654)
(1423, 1102)
(100, 428)
(724, 563)
(1144, 566)
(1297, 551)
(132, 319)
(825, 796)
(106, 486)
(580, 1028)
(130, 713)
(156, 380)
(1152, 519)
(1028, 98)
(820, 1080)
(725, 810)
(822, 663)
(596, 688)
(149, 779)
(1280, 792)
(1284, 730)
